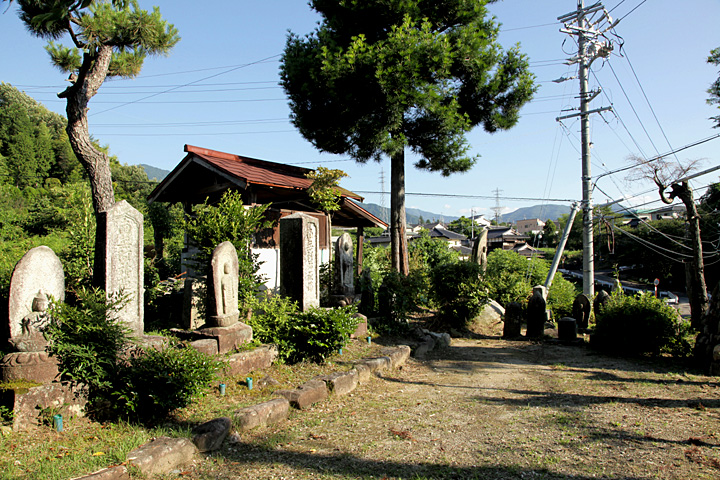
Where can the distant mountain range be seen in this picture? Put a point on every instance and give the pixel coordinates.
(413, 215)
(543, 212)
(155, 173)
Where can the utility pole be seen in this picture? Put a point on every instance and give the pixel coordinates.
(588, 26)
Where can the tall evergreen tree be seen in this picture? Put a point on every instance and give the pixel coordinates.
(378, 76)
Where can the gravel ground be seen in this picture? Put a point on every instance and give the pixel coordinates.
(496, 409)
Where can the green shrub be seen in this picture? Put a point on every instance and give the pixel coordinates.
(459, 292)
(510, 277)
(270, 320)
(87, 339)
(397, 297)
(637, 324)
(154, 382)
(319, 332)
(311, 335)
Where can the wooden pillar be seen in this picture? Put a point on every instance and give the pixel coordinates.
(360, 241)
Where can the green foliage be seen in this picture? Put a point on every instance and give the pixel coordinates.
(714, 89)
(459, 292)
(510, 277)
(324, 190)
(87, 339)
(551, 236)
(270, 321)
(231, 221)
(427, 252)
(377, 77)
(464, 226)
(639, 324)
(131, 32)
(397, 296)
(318, 333)
(311, 335)
(154, 382)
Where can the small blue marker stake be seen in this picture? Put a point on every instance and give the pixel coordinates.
(57, 422)
(222, 389)
(249, 381)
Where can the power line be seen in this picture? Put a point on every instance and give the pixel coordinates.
(237, 67)
(485, 197)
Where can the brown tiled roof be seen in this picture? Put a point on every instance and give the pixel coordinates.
(260, 172)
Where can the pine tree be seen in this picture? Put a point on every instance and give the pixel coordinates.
(378, 77)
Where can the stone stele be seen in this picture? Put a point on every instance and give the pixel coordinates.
(344, 282)
(37, 277)
(223, 286)
(299, 260)
(121, 260)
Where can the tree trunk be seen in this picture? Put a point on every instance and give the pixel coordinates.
(697, 289)
(398, 238)
(96, 163)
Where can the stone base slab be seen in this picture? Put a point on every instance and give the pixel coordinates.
(262, 414)
(243, 362)
(306, 395)
(28, 404)
(33, 366)
(162, 455)
(227, 338)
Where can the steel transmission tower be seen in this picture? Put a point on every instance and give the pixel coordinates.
(588, 24)
(497, 208)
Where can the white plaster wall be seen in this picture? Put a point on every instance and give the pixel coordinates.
(270, 265)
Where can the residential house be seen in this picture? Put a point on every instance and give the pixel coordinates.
(532, 225)
(504, 237)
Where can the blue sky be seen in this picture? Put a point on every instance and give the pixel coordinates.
(218, 89)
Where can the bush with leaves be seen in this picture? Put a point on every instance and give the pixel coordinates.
(88, 339)
(311, 335)
(636, 324)
(270, 321)
(399, 295)
(231, 221)
(319, 332)
(459, 292)
(94, 348)
(154, 382)
(510, 277)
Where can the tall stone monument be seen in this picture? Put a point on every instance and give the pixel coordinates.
(479, 251)
(299, 260)
(222, 299)
(120, 258)
(344, 283)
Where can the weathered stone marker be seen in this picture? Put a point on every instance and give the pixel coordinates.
(121, 260)
(513, 320)
(581, 311)
(601, 299)
(479, 250)
(222, 297)
(299, 260)
(536, 313)
(344, 281)
(37, 276)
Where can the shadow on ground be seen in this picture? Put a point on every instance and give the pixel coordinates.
(345, 465)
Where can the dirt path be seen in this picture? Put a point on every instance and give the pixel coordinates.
(497, 409)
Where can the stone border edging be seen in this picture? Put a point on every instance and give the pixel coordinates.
(164, 454)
